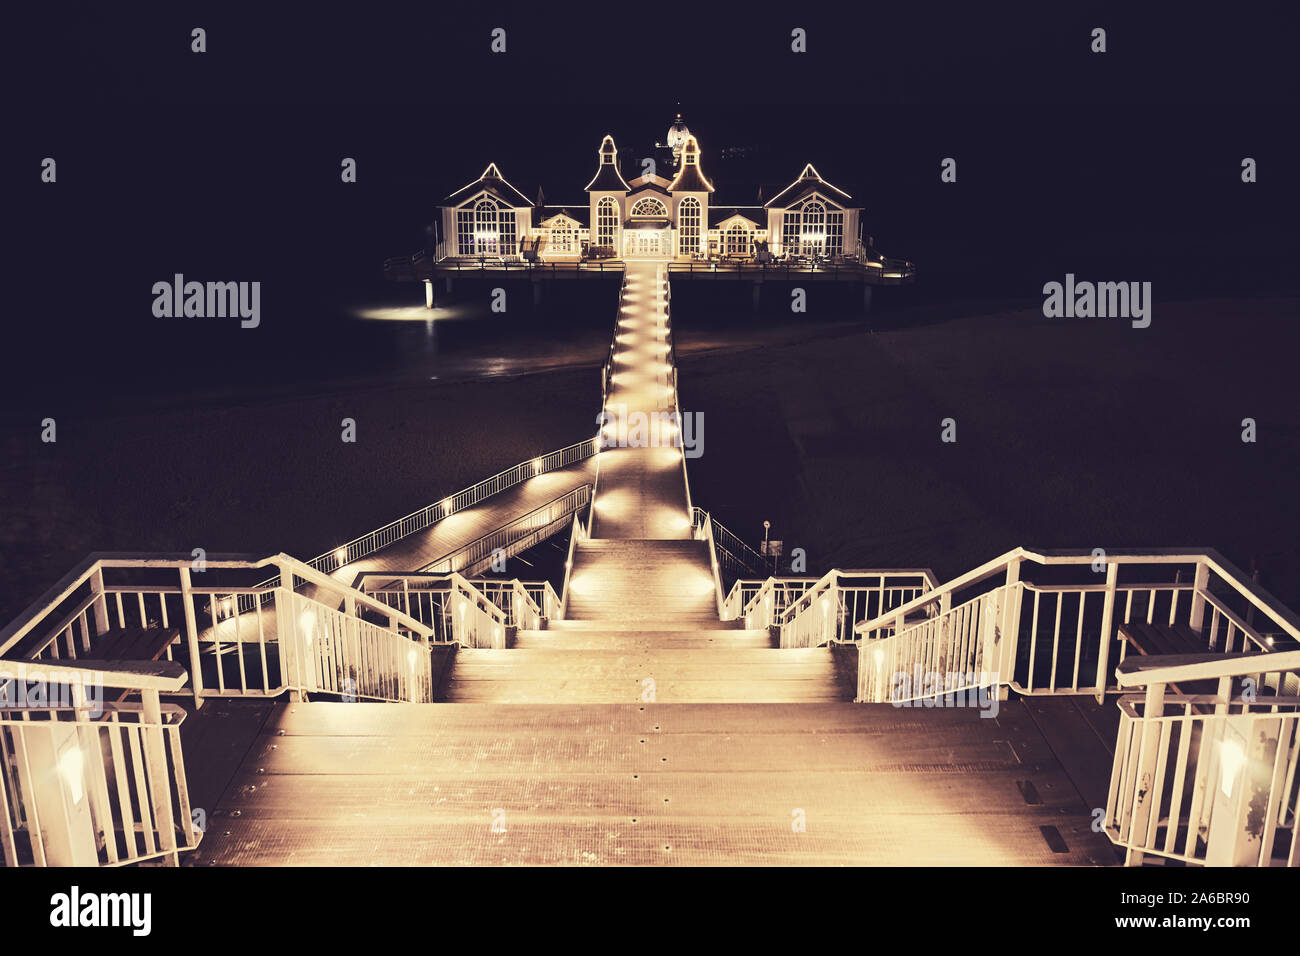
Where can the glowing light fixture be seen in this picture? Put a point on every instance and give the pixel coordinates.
(341, 555)
(1232, 757)
(70, 768)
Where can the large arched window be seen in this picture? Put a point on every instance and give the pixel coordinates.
(485, 229)
(649, 208)
(688, 227)
(606, 222)
(738, 240)
(813, 229)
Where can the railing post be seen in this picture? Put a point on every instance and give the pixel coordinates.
(1200, 585)
(1009, 627)
(56, 803)
(101, 601)
(1148, 788)
(1107, 628)
(293, 648)
(192, 636)
(160, 789)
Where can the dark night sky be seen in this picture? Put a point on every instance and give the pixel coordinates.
(226, 164)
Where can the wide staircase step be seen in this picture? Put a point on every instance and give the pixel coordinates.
(645, 784)
(642, 580)
(648, 672)
(564, 635)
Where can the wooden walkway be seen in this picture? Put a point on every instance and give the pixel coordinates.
(641, 492)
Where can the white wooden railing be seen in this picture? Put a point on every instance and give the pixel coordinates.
(828, 610)
(100, 785)
(734, 558)
(958, 649)
(1208, 779)
(429, 599)
(1061, 628)
(580, 532)
(329, 651)
(233, 640)
(476, 621)
(513, 537)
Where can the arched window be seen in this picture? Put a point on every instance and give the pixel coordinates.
(487, 227)
(648, 208)
(813, 232)
(562, 236)
(688, 227)
(606, 222)
(738, 240)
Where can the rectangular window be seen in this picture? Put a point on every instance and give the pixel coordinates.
(834, 233)
(790, 233)
(464, 232)
(507, 236)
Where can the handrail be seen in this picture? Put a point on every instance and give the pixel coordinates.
(92, 617)
(578, 533)
(717, 572)
(1178, 668)
(119, 675)
(425, 517)
(741, 552)
(1258, 596)
(472, 599)
(444, 563)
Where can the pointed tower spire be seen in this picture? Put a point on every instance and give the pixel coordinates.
(607, 177)
(689, 178)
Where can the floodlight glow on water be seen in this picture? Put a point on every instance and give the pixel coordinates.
(412, 313)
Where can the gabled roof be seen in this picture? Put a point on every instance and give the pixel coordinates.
(543, 215)
(492, 183)
(756, 215)
(648, 180)
(807, 182)
(642, 185)
(607, 178)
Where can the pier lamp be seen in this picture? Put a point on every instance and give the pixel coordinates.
(307, 624)
(1232, 757)
(71, 768)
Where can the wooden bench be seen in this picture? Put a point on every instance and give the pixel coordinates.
(1164, 640)
(1158, 640)
(134, 644)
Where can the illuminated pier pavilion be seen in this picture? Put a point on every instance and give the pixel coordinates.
(669, 698)
(672, 212)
